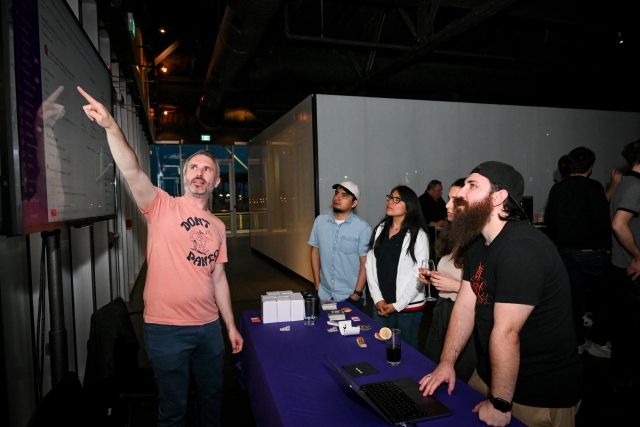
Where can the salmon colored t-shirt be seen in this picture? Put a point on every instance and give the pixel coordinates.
(184, 246)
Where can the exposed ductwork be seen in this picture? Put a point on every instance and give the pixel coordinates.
(243, 26)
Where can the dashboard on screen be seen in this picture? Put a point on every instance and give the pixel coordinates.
(65, 170)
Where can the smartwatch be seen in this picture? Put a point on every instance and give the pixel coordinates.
(500, 404)
(357, 292)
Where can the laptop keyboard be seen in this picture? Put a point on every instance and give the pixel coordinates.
(395, 401)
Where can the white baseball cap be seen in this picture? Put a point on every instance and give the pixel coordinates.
(350, 187)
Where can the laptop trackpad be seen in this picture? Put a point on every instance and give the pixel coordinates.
(429, 404)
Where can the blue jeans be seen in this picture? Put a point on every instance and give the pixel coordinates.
(176, 351)
(408, 323)
(589, 273)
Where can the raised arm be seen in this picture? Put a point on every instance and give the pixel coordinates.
(141, 187)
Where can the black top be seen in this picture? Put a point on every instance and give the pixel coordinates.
(577, 214)
(521, 266)
(387, 258)
(432, 210)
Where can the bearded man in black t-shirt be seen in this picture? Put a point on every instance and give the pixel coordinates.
(516, 300)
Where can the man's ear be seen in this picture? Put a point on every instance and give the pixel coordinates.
(498, 197)
(354, 204)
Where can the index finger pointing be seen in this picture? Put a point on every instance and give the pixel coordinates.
(86, 95)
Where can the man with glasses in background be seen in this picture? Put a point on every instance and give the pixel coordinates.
(339, 244)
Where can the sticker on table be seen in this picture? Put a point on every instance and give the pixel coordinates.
(255, 319)
(285, 329)
(334, 329)
(365, 326)
(355, 318)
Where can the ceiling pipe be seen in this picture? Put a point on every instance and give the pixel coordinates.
(243, 27)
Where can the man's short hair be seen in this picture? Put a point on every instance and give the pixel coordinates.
(581, 159)
(564, 166)
(433, 184)
(631, 153)
(204, 152)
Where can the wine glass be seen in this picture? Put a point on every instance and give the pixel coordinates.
(429, 265)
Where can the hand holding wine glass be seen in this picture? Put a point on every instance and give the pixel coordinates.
(428, 265)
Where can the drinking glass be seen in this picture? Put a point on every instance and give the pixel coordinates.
(394, 348)
(429, 265)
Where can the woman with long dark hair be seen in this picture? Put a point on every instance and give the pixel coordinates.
(396, 248)
(447, 280)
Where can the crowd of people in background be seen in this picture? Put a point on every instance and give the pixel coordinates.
(518, 303)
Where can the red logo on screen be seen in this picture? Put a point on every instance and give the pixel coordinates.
(54, 212)
(46, 50)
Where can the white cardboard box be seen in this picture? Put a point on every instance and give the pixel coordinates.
(284, 308)
(297, 306)
(269, 309)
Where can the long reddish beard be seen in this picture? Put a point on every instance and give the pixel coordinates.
(469, 220)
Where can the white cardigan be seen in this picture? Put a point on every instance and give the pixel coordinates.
(409, 289)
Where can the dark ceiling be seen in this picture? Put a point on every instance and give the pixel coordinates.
(233, 70)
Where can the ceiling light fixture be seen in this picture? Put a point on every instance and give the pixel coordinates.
(162, 30)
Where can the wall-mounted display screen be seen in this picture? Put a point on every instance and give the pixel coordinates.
(66, 170)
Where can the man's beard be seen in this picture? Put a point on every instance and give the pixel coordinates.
(201, 192)
(338, 210)
(469, 221)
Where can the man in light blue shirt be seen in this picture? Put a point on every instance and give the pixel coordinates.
(339, 243)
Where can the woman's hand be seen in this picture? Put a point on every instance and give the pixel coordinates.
(444, 282)
(423, 275)
(380, 307)
(389, 309)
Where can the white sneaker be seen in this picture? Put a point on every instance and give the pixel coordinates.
(587, 319)
(603, 351)
(586, 346)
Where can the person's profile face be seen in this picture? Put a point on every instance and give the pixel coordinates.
(453, 191)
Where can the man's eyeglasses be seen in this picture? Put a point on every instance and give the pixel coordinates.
(395, 199)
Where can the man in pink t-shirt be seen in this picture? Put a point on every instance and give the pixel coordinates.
(186, 289)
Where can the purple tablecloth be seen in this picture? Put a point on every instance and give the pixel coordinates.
(290, 383)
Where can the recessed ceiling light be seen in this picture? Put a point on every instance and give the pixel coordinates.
(162, 30)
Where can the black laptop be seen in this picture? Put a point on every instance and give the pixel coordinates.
(399, 401)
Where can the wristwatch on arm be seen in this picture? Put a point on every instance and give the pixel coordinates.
(500, 404)
(357, 292)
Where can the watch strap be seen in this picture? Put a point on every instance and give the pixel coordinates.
(500, 404)
(357, 292)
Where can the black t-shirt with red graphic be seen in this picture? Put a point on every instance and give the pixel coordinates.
(522, 266)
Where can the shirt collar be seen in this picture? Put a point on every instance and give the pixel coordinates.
(332, 218)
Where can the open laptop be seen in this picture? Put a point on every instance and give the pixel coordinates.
(399, 401)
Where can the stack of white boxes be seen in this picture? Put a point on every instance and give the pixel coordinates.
(282, 306)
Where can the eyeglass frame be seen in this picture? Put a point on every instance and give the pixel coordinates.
(396, 199)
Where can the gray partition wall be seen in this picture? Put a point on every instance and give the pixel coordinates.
(281, 189)
(380, 143)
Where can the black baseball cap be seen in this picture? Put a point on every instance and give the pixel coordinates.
(503, 175)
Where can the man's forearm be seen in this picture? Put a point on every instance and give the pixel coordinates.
(315, 266)
(458, 333)
(362, 275)
(625, 236)
(504, 352)
(123, 155)
(223, 300)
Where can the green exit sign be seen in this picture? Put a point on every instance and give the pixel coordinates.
(205, 137)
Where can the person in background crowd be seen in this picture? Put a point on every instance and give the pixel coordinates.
(434, 210)
(578, 223)
(396, 250)
(447, 280)
(625, 260)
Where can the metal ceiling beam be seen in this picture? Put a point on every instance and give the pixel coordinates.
(473, 18)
